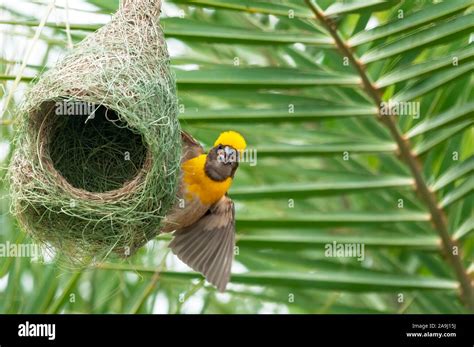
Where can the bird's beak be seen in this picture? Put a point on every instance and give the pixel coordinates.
(230, 154)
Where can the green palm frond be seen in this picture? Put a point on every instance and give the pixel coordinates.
(304, 81)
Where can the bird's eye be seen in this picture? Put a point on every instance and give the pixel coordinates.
(220, 147)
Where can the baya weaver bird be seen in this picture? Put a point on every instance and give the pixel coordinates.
(204, 226)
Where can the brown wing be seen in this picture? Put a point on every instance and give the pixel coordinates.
(182, 216)
(191, 147)
(207, 246)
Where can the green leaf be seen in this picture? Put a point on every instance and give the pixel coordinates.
(427, 36)
(437, 80)
(281, 8)
(331, 219)
(356, 6)
(405, 73)
(325, 149)
(64, 297)
(319, 189)
(411, 21)
(275, 239)
(439, 137)
(207, 32)
(458, 193)
(72, 26)
(307, 238)
(44, 293)
(234, 77)
(466, 228)
(241, 99)
(7, 263)
(348, 281)
(449, 117)
(12, 78)
(282, 114)
(454, 173)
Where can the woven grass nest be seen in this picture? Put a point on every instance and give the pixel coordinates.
(89, 186)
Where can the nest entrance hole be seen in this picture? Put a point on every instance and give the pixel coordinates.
(96, 152)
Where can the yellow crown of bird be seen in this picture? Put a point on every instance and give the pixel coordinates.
(233, 139)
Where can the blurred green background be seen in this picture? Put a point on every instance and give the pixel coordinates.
(327, 169)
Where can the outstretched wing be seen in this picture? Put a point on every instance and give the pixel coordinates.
(207, 246)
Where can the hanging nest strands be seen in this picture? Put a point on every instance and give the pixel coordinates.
(100, 181)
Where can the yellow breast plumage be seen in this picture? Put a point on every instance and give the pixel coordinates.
(199, 184)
